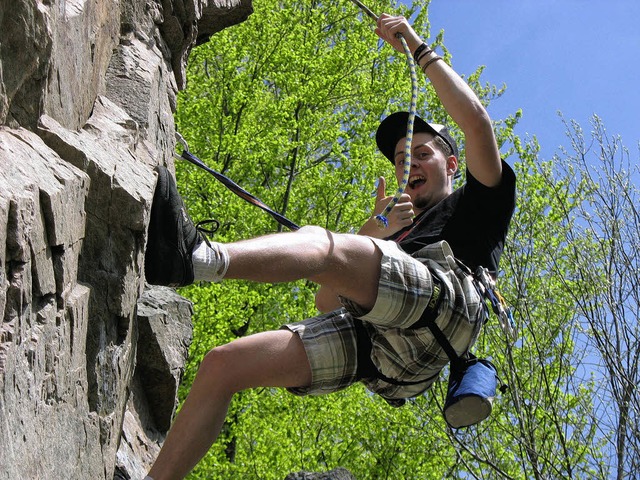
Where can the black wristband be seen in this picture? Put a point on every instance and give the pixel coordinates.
(426, 65)
(419, 50)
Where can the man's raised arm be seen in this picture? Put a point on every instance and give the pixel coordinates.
(457, 98)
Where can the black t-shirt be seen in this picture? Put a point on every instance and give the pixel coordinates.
(473, 220)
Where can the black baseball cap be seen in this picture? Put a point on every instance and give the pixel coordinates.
(394, 127)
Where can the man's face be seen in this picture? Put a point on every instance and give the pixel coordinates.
(431, 173)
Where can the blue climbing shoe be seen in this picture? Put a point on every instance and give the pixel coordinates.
(172, 236)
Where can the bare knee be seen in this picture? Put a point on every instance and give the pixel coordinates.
(217, 367)
(268, 359)
(334, 250)
(320, 245)
(319, 238)
(348, 264)
(313, 230)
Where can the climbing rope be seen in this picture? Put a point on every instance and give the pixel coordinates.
(382, 219)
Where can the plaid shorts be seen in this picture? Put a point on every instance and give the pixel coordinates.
(408, 359)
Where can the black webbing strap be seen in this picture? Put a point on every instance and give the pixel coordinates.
(430, 322)
(238, 190)
(366, 368)
(444, 343)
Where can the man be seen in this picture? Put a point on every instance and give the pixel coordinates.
(378, 296)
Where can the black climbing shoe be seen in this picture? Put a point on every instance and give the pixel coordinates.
(172, 236)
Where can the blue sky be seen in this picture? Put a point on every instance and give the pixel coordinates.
(580, 57)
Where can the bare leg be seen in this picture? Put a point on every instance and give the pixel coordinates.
(347, 264)
(268, 359)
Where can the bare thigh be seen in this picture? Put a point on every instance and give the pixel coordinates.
(347, 264)
(267, 359)
(353, 268)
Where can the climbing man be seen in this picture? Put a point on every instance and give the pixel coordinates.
(377, 294)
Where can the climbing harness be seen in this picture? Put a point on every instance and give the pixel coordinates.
(381, 219)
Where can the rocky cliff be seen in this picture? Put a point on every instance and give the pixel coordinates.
(90, 357)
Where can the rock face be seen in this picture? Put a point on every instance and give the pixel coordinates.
(335, 474)
(90, 357)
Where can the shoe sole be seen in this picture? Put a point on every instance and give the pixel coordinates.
(168, 256)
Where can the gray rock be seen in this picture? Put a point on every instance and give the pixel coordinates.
(335, 474)
(90, 361)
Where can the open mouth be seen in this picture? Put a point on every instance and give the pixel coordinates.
(416, 180)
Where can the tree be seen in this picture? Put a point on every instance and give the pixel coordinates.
(541, 422)
(606, 289)
(571, 271)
